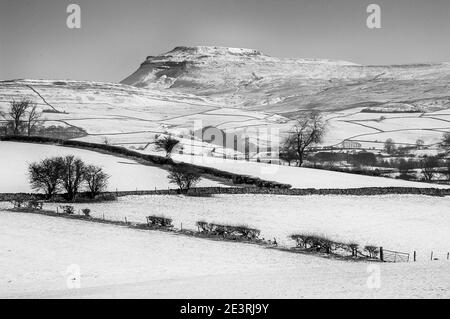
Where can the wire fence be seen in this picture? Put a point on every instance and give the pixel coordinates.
(438, 255)
(398, 256)
(378, 253)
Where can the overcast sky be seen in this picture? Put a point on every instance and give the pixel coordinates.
(116, 36)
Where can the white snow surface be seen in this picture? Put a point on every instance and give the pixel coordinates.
(125, 174)
(404, 223)
(130, 116)
(116, 262)
(300, 177)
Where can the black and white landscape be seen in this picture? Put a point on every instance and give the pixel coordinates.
(210, 171)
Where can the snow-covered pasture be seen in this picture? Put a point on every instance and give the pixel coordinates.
(125, 174)
(131, 116)
(300, 177)
(369, 128)
(117, 262)
(396, 222)
(124, 114)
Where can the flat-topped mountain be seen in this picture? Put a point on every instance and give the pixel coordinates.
(251, 79)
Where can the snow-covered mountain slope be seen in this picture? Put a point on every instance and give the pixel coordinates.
(248, 78)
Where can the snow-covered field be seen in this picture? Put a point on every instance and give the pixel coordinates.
(116, 262)
(129, 116)
(373, 129)
(300, 177)
(396, 222)
(126, 175)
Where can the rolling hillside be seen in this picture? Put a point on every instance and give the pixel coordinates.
(241, 91)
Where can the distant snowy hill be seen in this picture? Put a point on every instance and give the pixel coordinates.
(239, 91)
(250, 79)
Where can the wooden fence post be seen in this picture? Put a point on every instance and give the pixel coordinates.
(448, 256)
(431, 255)
(381, 254)
(415, 256)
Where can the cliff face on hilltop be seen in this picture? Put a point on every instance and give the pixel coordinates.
(250, 79)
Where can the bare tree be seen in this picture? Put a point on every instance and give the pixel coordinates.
(32, 118)
(288, 154)
(166, 144)
(429, 165)
(16, 114)
(184, 177)
(372, 250)
(389, 146)
(307, 131)
(45, 175)
(364, 158)
(3, 128)
(446, 141)
(72, 175)
(96, 179)
(420, 144)
(404, 168)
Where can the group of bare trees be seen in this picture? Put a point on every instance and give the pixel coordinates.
(429, 167)
(67, 173)
(390, 146)
(310, 128)
(22, 117)
(307, 131)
